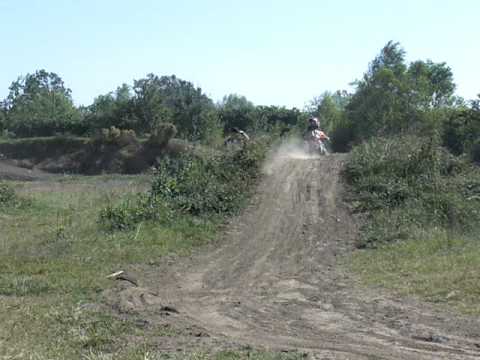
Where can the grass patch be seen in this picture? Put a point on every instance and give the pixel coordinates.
(54, 257)
(436, 266)
(143, 353)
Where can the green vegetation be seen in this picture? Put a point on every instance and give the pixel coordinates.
(206, 186)
(423, 212)
(7, 194)
(435, 264)
(144, 353)
(413, 174)
(409, 183)
(55, 259)
(55, 256)
(39, 104)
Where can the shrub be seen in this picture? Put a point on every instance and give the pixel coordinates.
(213, 184)
(410, 182)
(162, 134)
(7, 194)
(126, 215)
(115, 136)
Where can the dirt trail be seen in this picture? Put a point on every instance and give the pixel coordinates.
(275, 281)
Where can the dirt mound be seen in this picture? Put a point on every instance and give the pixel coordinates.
(81, 156)
(276, 281)
(9, 171)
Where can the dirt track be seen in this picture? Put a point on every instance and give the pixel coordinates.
(275, 282)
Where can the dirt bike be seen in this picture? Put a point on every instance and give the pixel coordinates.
(314, 142)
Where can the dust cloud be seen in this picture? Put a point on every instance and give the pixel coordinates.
(287, 150)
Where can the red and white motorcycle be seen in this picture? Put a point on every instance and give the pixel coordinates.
(314, 141)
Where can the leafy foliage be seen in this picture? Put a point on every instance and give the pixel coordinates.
(115, 109)
(39, 104)
(162, 134)
(215, 184)
(7, 194)
(410, 182)
(129, 212)
(462, 131)
(236, 111)
(115, 136)
(394, 98)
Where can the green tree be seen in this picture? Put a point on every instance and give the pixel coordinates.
(236, 111)
(461, 131)
(277, 119)
(117, 108)
(168, 98)
(393, 98)
(431, 84)
(328, 107)
(40, 104)
(3, 118)
(391, 57)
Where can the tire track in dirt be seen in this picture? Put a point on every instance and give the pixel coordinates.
(275, 281)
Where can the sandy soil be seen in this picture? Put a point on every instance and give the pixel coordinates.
(275, 282)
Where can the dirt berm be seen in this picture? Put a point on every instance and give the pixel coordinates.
(276, 281)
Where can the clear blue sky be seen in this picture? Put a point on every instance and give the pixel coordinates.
(275, 52)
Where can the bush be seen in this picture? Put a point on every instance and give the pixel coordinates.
(162, 134)
(206, 185)
(214, 184)
(7, 194)
(126, 215)
(115, 136)
(410, 182)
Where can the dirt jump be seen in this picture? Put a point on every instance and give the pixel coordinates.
(276, 281)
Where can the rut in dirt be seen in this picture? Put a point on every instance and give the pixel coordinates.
(277, 280)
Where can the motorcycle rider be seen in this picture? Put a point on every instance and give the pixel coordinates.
(238, 137)
(316, 136)
(313, 129)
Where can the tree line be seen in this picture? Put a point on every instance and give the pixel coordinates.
(392, 97)
(40, 104)
(395, 98)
